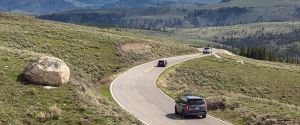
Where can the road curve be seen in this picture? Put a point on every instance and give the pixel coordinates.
(136, 92)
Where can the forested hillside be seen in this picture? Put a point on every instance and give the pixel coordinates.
(184, 15)
(54, 6)
(280, 39)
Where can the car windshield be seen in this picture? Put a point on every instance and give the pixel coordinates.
(206, 48)
(196, 102)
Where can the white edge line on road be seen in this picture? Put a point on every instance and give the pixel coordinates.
(110, 88)
(111, 85)
(172, 98)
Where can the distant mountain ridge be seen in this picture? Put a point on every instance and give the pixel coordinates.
(47, 6)
(52, 6)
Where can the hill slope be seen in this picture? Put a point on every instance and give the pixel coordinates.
(93, 55)
(256, 92)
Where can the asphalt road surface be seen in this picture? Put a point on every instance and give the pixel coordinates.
(136, 92)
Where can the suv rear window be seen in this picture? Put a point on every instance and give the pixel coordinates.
(196, 102)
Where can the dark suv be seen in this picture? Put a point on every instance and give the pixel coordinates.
(191, 106)
(162, 63)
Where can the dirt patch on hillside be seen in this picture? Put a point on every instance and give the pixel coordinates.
(221, 51)
(136, 46)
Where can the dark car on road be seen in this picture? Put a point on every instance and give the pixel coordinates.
(191, 106)
(162, 63)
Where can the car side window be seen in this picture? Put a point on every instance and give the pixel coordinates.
(177, 101)
(182, 101)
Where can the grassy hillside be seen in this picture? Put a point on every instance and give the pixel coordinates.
(172, 35)
(256, 92)
(94, 56)
(185, 15)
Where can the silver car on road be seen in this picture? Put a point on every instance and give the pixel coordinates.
(191, 106)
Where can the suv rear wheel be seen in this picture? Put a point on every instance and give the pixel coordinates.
(176, 110)
(203, 116)
(184, 114)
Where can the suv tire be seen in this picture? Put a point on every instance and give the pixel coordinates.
(176, 110)
(184, 114)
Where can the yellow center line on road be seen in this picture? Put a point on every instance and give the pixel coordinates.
(155, 107)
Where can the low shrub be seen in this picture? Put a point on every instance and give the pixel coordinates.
(53, 113)
(216, 105)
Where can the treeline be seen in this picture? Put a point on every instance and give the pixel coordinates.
(151, 17)
(264, 54)
(258, 53)
(91, 18)
(115, 19)
(146, 23)
(280, 46)
(262, 39)
(169, 17)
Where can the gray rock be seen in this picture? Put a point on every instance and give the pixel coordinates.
(49, 71)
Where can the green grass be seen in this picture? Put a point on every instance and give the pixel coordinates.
(22, 103)
(94, 55)
(254, 93)
(105, 91)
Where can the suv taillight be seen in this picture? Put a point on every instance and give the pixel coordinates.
(206, 107)
(187, 107)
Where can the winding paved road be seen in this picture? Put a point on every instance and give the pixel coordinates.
(136, 92)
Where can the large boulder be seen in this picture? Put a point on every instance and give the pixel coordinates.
(49, 71)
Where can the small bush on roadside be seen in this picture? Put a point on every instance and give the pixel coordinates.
(216, 105)
(105, 80)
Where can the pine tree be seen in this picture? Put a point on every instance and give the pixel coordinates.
(243, 52)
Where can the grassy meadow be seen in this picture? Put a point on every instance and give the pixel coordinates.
(94, 56)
